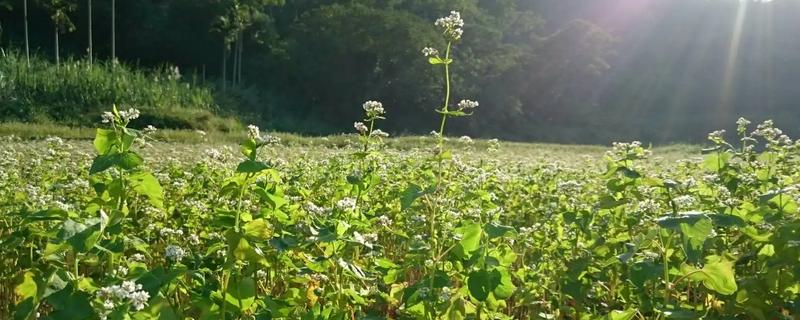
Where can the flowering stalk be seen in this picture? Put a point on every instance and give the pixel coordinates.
(452, 32)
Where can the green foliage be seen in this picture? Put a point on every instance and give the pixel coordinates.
(77, 92)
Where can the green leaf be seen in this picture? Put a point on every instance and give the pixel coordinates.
(28, 293)
(436, 60)
(104, 141)
(102, 163)
(47, 215)
(249, 149)
(470, 238)
(695, 228)
(86, 239)
(241, 294)
(257, 230)
(69, 304)
(480, 284)
(716, 161)
(505, 287)
(129, 160)
(146, 184)
(252, 166)
(494, 230)
(767, 250)
(412, 193)
(622, 315)
(717, 275)
(240, 248)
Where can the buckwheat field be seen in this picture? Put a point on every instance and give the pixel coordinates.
(127, 226)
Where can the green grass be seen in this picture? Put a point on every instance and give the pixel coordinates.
(510, 151)
(76, 93)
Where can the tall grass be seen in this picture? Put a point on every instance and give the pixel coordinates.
(76, 92)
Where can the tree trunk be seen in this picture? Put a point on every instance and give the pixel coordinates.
(27, 45)
(113, 32)
(91, 53)
(235, 61)
(224, 65)
(241, 52)
(58, 58)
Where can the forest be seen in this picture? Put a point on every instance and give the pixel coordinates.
(573, 71)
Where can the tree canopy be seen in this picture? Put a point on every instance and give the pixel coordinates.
(567, 71)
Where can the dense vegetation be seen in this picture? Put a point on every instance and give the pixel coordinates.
(570, 71)
(77, 92)
(262, 231)
(274, 231)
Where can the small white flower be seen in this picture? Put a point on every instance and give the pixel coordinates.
(150, 129)
(121, 271)
(378, 133)
(174, 253)
(138, 257)
(194, 239)
(139, 299)
(452, 25)
(253, 132)
(465, 139)
(108, 117)
(346, 204)
(128, 115)
(373, 109)
(314, 209)
(467, 105)
(360, 127)
(430, 52)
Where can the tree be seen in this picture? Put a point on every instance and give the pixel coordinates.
(27, 44)
(237, 17)
(3, 5)
(113, 31)
(89, 28)
(59, 10)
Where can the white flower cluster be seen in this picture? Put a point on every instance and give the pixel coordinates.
(430, 52)
(194, 239)
(174, 253)
(138, 257)
(684, 202)
(130, 114)
(366, 240)
(214, 154)
(717, 137)
(385, 221)
(633, 150)
(467, 105)
(378, 133)
(494, 146)
(168, 232)
(270, 139)
(741, 125)
(127, 292)
(174, 73)
(108, 117)
(346, 204)
(373, 109)
(649, 206)
(314, 209)
(150, 129)
(360, 127)
(452, 25)
(465, 139)
(253, 132)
